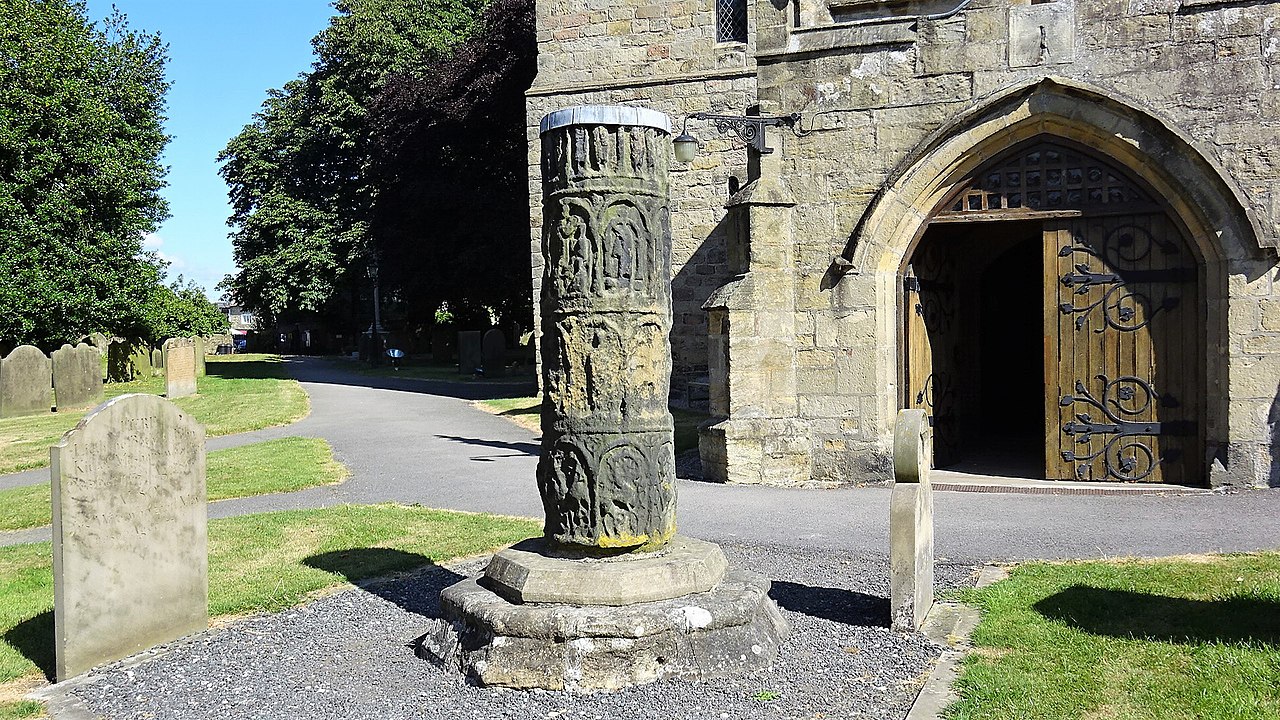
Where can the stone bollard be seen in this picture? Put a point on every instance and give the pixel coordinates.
(911, 522)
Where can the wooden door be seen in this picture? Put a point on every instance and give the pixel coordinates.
(931, 334)
(1122, 351)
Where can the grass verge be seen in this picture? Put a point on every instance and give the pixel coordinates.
(524, 411)
(274, 466)
(264, 562)
(239, 393)
(1195, 637)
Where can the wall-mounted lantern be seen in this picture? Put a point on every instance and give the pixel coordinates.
(748, 128)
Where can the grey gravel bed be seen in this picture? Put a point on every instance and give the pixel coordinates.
(349, 656)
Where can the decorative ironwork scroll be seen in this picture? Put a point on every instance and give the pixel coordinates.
(1122, 307)
(1122, 451)
(607, 471)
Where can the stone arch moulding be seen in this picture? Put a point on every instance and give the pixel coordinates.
(1199, 191)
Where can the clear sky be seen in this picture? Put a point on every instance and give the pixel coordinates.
(223, 56)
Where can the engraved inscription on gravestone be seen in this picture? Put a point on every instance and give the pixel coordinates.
(179, 368)
(129, 532)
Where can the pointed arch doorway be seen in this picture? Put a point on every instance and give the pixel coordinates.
(1052, 323)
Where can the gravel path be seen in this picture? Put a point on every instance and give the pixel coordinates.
(348, 655)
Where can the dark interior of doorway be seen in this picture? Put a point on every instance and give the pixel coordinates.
(998, 271)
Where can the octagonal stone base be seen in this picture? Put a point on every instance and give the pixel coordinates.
(530, 572)
(732, 628)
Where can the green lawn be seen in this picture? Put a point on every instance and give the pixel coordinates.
(262, 562)
(274, 466)
(524, 411)
(1144, 639)
(239, 393)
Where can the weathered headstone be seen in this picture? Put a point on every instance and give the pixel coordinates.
(26, 382)
(441, 345)
(101, 342)
(130, 560)
(120, 367)
(470, 353)
(77, 377)
(608, 597)
(911, 522)
(494, 352)
(140, 358)
(157, 359)
(179, 368)
(200, 353)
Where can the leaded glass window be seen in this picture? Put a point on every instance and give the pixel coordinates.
(731, 21)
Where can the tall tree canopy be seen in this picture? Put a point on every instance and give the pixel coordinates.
(81, 109)
(339, 167)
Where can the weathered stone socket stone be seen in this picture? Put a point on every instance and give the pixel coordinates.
(607, 472)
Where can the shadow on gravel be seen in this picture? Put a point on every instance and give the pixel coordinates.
(33, 638)
(319, 370)
(834, 604)
(1126, 614)
(368, 568)
(524, 448)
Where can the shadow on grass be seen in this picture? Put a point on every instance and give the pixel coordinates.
(368, 568)
(33, 638)
(834, 604)
(248, 370)
(1125, 614)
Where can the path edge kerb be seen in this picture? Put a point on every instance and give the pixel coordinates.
(949, 624)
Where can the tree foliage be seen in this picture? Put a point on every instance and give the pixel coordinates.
(81, 112)
(453, 218)
(299, 176)
(180, 310)
(405, 141)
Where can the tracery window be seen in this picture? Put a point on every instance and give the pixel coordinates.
(731, 21)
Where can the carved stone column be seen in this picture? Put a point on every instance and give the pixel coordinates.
(606, 475)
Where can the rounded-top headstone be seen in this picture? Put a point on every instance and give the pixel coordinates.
(26, 382)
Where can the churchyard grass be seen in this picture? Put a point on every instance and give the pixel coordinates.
(239, 393)
(524, 411)
(1193, 637)
(274, 466)
(264, 562)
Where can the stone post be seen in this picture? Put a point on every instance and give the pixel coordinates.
(607, 472)
(911, 522)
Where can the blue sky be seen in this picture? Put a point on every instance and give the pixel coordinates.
(223, 56)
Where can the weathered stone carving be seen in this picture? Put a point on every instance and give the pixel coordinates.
(607, 470)
(77, 376)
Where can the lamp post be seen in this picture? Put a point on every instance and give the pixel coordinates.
(376, 333)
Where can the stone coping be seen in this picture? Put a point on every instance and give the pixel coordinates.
(606, 115)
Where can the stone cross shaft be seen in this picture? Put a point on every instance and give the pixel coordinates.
(607, 470)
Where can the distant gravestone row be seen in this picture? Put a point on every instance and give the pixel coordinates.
(130, 549)
(32, 383)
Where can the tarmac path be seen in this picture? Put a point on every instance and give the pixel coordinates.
(421, 441)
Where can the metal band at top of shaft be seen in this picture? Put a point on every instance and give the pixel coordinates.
(606, 115)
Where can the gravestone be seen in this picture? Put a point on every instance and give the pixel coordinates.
(200, 353)
(609, 596)
(441, 346)
(470, 354)
(179, 368)
(77, 377)
(101, 342)
(911, 522)
(494, 351)
(26, 382)
(157, 359)
(130, 559)
(120, 366)
(140, 358)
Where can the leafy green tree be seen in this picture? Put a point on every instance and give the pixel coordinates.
(180, 310)
(301, 188)
(81, 108)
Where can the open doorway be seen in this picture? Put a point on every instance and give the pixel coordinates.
(975, 345)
